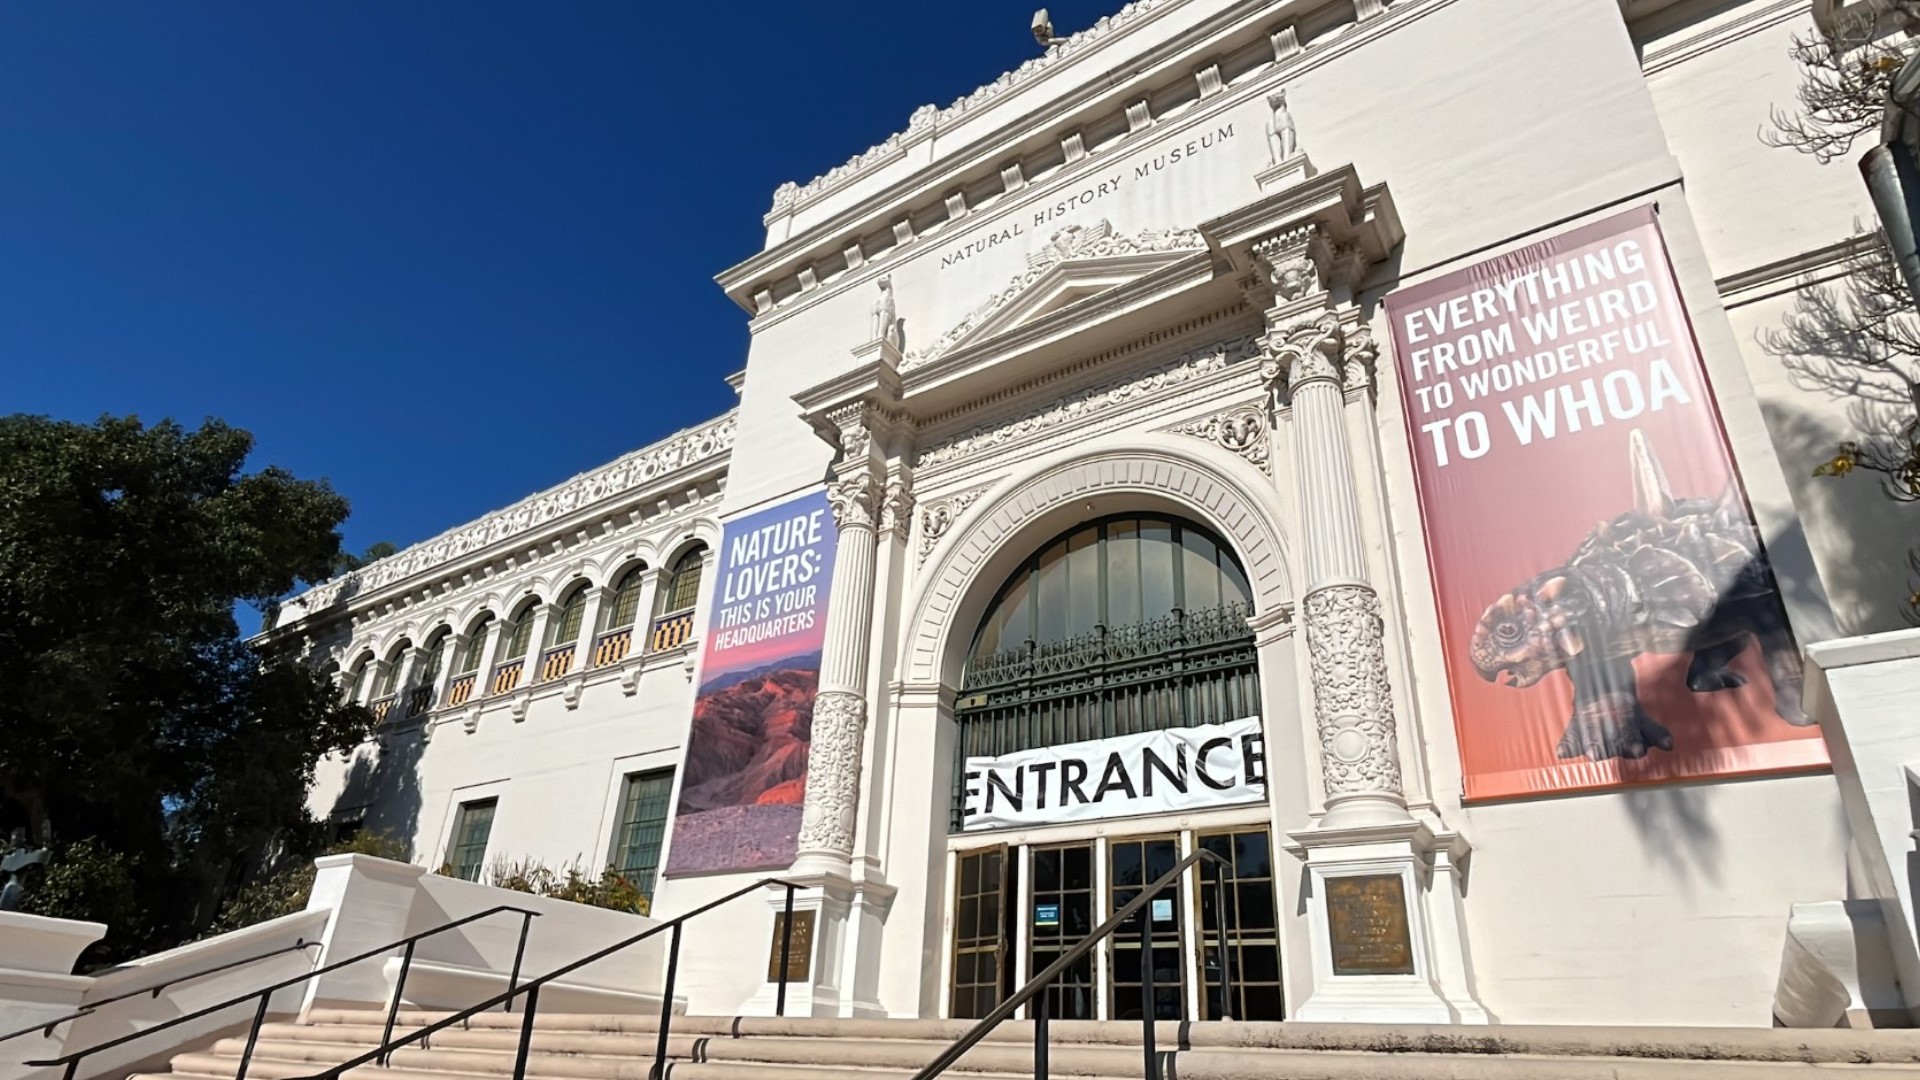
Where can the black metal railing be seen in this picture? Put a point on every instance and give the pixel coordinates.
(45, 1027)
(383, 1053)
(71, 1062)
(1035, 988)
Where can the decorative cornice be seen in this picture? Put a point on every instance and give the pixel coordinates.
(1241, 430)
(638, 469)
(1073, 242)
(1074, 407)
(928, 119)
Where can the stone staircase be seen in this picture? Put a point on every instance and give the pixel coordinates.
(576, 1047)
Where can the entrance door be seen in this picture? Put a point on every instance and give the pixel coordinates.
(982, 917)
(1133, 864)
(1060, 914)
(1253, 927)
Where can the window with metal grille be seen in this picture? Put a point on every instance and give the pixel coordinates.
(683, 582)
(476, 647)
(621, 611)
(467, 853)
(643, 828)
(565, 626)
(1128, 624)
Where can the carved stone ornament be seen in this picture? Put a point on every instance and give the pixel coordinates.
(833, 772)
(927, 118)
(1352, 709)
(1073, 242)
(851, 433)
(635, 470)
(939, 517)
(1241, 430)
(896, 509)
(1081, 404)
(1303, 351)
(1287, 263)
(1363, 353)
(854, 500)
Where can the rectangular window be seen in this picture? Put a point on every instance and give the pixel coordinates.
(471, 827)
(982, 977)
(643, 827)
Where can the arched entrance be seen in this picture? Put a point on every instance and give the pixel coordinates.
(1115, 630)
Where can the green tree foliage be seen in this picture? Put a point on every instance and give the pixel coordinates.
(610, 890)
(285, 890)
(134, 714)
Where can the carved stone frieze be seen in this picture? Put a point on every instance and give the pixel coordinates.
(833, 772)
(896, 509)
(855, 498)
(1241, 430)
(938, 517)
(927, 118)
(1073, 242)
(1352, 706)
(635, 470)
(1075, 407)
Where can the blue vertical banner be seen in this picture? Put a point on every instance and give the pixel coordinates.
(745, 777)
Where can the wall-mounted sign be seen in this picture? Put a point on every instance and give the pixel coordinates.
(1046, 916)
(799, 949)
(745, 777)
(1367, 922)
(1607, 612)
(1161, 908)
(1155, 772)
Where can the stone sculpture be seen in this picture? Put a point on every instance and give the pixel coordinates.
(886, 320)
(1283, 141)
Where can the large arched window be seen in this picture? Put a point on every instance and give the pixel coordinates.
(1128, 624)
(426, 672)
(564, 627)
(624, 605)
(389, 680)
(519, 635)
(476, 648)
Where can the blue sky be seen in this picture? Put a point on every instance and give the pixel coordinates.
(442, 254)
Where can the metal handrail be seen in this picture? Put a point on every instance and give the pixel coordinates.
(1032, 990)
(46, 1027)
(383, 1053)
(265, 994)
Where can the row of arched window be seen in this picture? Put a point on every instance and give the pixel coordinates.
(457, 678)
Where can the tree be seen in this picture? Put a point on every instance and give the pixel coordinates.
(135, 716)
(1859, 339)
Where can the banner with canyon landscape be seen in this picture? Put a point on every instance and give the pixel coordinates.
(745, 776)
(1607, 610)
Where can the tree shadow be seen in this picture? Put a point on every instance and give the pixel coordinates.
(383, 782)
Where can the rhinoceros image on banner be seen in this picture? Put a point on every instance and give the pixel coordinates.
(1608, 613)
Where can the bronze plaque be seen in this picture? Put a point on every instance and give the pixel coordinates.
(800, 954)
(1367, 919)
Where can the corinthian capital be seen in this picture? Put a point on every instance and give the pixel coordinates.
(1306, 350)
(854, 498)
(896, 509)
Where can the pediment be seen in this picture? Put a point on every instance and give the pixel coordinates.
(1077, 264)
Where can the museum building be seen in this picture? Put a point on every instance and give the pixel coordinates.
(1336, 435)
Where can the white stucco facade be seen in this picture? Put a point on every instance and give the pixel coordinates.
(1073, 255)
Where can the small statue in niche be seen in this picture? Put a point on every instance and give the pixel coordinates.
(887, 325)
(1283, 141)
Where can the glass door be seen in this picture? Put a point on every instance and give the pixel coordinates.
(1060, 914)
(1132, 864)
(982, 912)
(1253, 927)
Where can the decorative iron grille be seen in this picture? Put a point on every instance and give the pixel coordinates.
(1182, 670)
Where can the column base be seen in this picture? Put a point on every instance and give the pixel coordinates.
(835, 977)
(1386, 949)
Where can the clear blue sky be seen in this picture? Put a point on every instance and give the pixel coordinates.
(442, 254)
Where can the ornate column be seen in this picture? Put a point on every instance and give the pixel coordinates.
(1305, 355)
(840, 709)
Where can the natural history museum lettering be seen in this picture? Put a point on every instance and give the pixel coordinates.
(1241, 453)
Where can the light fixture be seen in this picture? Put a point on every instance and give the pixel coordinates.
(1043, 29)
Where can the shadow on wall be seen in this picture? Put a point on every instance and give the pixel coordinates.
(384, 782)
(1863, 534)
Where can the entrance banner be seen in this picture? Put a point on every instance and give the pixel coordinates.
(1607, 612)
(745, 777)
(1194, 768)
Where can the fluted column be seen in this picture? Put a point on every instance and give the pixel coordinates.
(840, 709)
(1307, 349)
